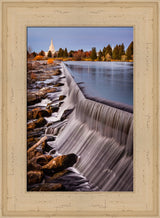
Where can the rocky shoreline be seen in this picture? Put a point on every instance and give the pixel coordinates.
(47, 169)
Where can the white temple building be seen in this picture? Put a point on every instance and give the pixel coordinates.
(51, 48)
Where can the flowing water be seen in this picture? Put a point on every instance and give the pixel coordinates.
(103, 138)
(108, 80)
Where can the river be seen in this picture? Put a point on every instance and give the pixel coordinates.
(111, 81)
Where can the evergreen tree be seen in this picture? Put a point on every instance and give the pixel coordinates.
(70, 54)
(100, 55)
(104, 51)
(42, 53)
(60, 52)
(34, 54)
(121, 50)
(93, 54)
(65, 54)
(115, 54)
(129, 51)
(49, 54)
(109, 50)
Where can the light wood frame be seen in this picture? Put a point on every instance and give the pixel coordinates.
(144, 17)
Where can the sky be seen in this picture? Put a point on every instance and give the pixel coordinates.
(74, 38)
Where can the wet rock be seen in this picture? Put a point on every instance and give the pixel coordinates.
(45, 146)
(33, 153)
(40, 122)
(38, 112)
(52, 108)
(34, 177)
(61, 162)
(36, 163)
(48, 187)
(31, 126)
(35, 97)
(31, 141)
(36, 132)
(57, 72)
(29, 66)
(46, 90)
(66, 113)
(56, 175)
(61, 97)
(60, 103)
(52, 152)
(32, 98)
(37, 123)
(33, 113)
(58, 84)
(35, 64)
(44, 113)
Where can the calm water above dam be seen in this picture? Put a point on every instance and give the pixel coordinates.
(108, 80)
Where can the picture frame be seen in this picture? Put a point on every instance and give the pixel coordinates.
(16, 17)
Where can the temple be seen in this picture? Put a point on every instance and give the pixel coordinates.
(51, 48)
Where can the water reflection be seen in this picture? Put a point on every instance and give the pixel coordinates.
(109, 80)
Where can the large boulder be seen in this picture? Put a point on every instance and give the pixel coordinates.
(36, 163)
(61, 162)
(36, 124)
(34, 177)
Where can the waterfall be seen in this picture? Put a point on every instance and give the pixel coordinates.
(103, 138)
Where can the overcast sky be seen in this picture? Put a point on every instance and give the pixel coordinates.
(74, 38)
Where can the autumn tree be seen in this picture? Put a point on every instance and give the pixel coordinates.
(129, 51)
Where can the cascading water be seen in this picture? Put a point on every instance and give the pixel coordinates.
(103, 138)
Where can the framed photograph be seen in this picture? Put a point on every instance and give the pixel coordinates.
(80, 108)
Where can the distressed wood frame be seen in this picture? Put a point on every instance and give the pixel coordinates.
(144, 17)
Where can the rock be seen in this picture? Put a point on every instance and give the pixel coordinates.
(54, 109)
(31, 141)
(58, 84)
(46, 90)
(31, 126)
(57, 72)
(56, 175)
(48, 187)
(29, 67)
(60, 103)
(45, 146)
(36, 163)
(61, 162)
(61, 97)
(34, 177)
(37, 123)
(32, 98)
(44, 113)
(66, 113)
(33, 113)
(33, 153)
(36, 132)
(40, 122)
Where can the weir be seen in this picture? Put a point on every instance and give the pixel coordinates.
(103, 138)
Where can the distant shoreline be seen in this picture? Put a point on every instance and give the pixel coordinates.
(70, 59)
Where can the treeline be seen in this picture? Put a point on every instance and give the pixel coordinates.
(107, 54)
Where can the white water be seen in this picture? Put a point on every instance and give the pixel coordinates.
(102, 136)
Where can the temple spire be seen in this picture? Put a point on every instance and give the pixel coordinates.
(51, 47)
